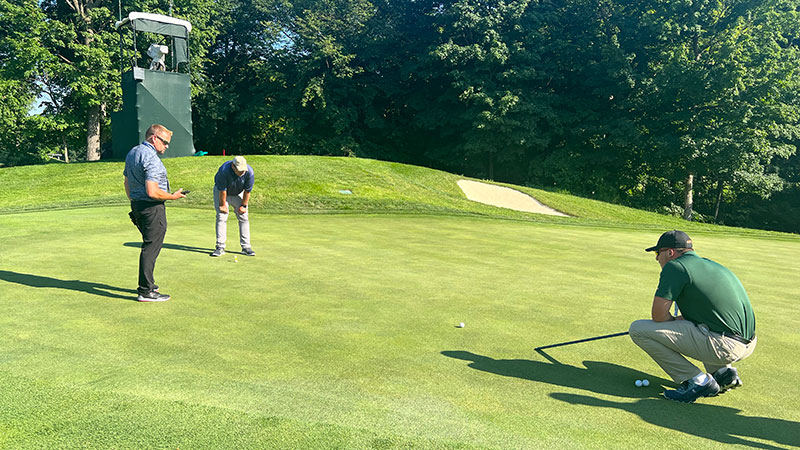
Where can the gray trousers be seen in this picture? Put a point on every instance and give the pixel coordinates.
(234, 202)
(668, 342)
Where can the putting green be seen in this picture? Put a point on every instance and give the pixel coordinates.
(342, 332)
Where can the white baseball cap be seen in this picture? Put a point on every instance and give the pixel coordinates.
(240, 164)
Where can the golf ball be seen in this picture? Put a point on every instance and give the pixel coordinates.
(235, 259)
(638, 383)
(461, 325)
(645, 382)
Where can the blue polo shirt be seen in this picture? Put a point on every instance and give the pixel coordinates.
(227, 180)
(141, 165)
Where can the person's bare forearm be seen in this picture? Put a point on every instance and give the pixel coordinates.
(660, 310)
(156, 193)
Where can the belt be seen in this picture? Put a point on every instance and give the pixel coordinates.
(142, 204)
(738, 338)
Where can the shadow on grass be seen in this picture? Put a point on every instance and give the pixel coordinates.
(719, 423)
(185, 248)
(599, 377)
(39, 281)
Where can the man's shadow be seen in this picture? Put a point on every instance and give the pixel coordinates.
(39, 281)
(186, 248)
(599, 377)
(719, 423)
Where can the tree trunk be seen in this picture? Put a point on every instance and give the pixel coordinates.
(93, 133)
(688, 203)
(720, 187)
(66, 150)
(93, 114)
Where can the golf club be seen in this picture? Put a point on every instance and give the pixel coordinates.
(594, 338)
(582, 340)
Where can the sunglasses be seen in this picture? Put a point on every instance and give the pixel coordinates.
(163, 141)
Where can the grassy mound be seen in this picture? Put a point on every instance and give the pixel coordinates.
(308, 185)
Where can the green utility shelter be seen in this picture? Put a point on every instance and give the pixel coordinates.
(160, 93)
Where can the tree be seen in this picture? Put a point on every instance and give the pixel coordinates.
(489, 113)
(717, 92)
(22, 25)
(81, 76)
(590, 75)
(243, 106)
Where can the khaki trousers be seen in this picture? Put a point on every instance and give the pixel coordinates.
(668, 342)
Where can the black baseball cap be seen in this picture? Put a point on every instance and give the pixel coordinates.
(672, 239)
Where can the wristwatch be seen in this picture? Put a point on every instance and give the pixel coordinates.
(244, 206)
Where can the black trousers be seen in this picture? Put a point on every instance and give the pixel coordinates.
(151, 219)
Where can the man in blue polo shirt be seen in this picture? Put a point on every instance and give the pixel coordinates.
(232, 185)
(716, 327)
(147, 187)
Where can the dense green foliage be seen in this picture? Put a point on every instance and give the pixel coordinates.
(617, 100)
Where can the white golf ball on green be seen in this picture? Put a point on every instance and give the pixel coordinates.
(645, 382)
(461, 325)
(638, 383)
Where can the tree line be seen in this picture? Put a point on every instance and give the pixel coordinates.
(681, 106)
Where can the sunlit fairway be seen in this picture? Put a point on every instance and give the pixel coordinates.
(342, 331)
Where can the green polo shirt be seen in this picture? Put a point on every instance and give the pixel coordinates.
(709, 293)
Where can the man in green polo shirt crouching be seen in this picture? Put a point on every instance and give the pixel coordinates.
(716, 326)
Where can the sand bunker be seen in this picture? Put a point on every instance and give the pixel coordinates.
(504, 197)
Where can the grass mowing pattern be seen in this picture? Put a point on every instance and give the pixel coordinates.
(46, 416)
(341, 334)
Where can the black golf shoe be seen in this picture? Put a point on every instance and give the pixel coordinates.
(688, 392)
(727, 378)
